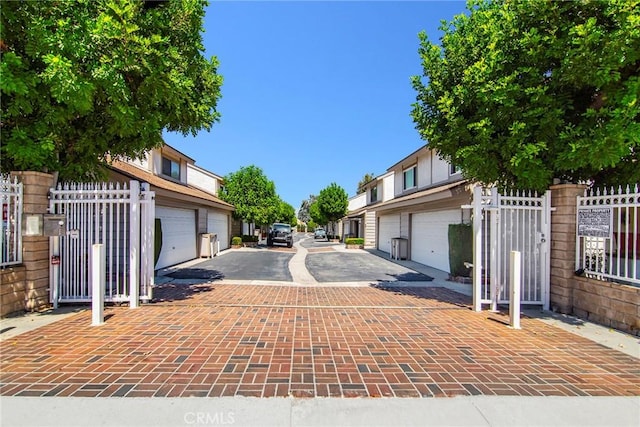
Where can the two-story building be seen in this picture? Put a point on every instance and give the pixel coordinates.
(186, 202)
(411, 205)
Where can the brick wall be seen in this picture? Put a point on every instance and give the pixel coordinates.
(608, 303)
(35, 249)
(12, 296)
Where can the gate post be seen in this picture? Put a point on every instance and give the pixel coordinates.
(514, 295)
(477, 248)
(98, 269)
(134, 244)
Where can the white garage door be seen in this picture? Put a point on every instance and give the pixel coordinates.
(178, 235)
(218, 223)
(388, 228)
(429, 237)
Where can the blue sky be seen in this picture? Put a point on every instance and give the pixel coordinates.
(314, 92)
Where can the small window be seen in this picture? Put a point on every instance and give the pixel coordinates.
(409, 178)
(170, 168)
(454, 169)
(374, 194)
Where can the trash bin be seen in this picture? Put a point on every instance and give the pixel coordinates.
(207, 243)
(399, 248)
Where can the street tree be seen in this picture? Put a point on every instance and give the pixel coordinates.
(303, 212)
(316, 215)
(84, 81)
(367, 178)
(253, 195)
(332, 203)
(522, 92)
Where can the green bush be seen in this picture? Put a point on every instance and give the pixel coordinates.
(460, 249)
(248, 238)
(236, 241)
(354, 241)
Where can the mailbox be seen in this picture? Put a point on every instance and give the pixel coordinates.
(55, 225)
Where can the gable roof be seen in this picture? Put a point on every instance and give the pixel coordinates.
(167, 187)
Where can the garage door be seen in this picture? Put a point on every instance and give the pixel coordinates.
(429, 237)
(218, 223)
(178, 235)
(388, 227)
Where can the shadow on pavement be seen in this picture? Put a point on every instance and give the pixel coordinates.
(411, 277)
(169, 292)
(197, 273)
(432, 293)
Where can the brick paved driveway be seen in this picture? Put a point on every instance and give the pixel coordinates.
(225, 340)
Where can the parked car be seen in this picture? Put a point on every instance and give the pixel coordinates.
(320, 233)
(280, 233)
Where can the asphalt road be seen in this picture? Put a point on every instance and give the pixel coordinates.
(322, 261)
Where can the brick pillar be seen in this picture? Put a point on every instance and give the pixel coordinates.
(563, 245)
(35, 249)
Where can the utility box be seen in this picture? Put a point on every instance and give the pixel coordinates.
(208, 245)
(54, 225)
(399, 248)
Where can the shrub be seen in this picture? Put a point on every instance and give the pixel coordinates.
(248, 238)
(354, 241)
(460, 248)
(236, 241)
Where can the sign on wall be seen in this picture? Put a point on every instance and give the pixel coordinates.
(594, 222)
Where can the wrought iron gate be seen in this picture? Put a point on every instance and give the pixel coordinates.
(504, 223)
(120, 218)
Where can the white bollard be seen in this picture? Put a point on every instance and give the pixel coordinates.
(98, 268)
(514, 297)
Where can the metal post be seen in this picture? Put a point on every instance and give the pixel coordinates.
(98, 268)
(54, 270)
(477, 248)
(134, 244)
(514, 300)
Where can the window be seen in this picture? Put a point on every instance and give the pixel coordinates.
(373, 194)
(454, 169)
(409, 178)
(170, 168)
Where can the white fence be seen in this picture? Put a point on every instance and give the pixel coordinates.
(510, 222)
(11, 235)
(120, 218)
(608, 234)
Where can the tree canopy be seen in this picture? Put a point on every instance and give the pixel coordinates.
(367, 178)
(253, 195)
(86, 80)
(522, 92)
(303, 213)
(331, 204)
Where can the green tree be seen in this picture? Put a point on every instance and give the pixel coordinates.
(303, 212)
(332, 203)
(522, 92)
(88, 80)
(253, 195)
(367, 178)
(286, 214)
(316, 215)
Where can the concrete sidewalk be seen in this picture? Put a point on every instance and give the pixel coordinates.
(285, 412)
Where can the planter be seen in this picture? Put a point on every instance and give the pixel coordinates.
(354, 246)
(236, 246)
(250, 244)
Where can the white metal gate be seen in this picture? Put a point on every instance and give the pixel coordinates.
(11, 226)
(120, 218)
(504, 223)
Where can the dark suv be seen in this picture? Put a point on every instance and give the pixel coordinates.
(280, 233)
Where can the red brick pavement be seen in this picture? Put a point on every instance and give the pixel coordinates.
(267, 341)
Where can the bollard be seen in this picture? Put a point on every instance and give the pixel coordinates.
(514, 297)
(98, 268)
